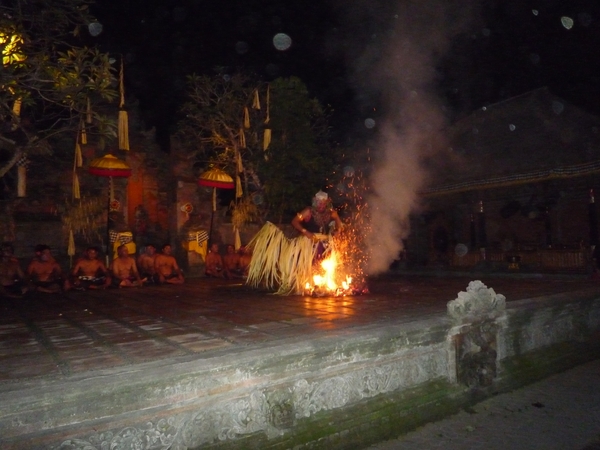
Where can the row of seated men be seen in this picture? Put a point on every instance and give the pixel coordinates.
(230, 265)
(44, 274)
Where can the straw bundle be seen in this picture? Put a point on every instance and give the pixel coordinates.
(278, 262)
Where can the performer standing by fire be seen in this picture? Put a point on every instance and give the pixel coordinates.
(317, 218)
(317, 221)
(287, 264)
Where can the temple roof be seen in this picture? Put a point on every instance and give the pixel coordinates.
(531, 137)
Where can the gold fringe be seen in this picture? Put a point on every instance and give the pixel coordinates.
(280, 263)
(246, 118)
(267, 139)
(256, 100)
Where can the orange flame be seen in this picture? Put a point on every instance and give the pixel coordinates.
(330, 280)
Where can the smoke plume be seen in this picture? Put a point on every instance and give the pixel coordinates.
(397, 70)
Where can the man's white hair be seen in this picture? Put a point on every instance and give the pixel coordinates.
(321, 196)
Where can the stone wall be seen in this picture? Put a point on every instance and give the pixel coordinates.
(343, 390)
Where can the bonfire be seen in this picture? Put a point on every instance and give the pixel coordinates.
(327, 266)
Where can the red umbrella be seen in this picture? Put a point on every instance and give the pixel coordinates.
(109, 166)
(215, 178)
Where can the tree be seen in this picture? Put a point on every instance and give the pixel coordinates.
(300, 159)
(50, 82)
(274, 132)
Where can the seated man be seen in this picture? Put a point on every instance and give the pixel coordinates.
(231, 263)
(44, 272)
(89, 272)
(166, 267)
(124, 270)
(145, 264)
(214, 263)
(12, 278)
(245, 259)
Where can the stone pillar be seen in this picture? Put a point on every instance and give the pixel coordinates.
(478, 315)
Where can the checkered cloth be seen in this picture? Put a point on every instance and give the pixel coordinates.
(23, 161)
(198, 236)
(124, 237)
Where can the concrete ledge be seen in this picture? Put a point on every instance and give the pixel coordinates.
(347, 389)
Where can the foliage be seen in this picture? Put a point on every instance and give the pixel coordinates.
(298, 160)
(60, 83)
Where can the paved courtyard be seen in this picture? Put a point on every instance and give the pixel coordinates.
(51, 335)
(561, 412)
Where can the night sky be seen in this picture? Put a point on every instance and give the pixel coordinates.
(501, 49)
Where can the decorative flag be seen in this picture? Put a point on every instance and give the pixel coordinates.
(83, 136)
(123, 119)
(266, 139)
(78, 155)
(242, 138)
(240, 166)
(256, 100)
(76, 189)
(238, 187)
(246, 118)
(238, 241)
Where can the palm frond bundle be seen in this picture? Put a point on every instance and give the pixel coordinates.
(279, 263)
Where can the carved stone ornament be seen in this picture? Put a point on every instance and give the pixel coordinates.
(272, 412)
(478, 302)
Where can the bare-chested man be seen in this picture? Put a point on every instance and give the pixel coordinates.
(90, 272)
(145, 263)
(214, 263)
(231, 263)
(44, 272)
(124, 270)
(166, 267)
(12, 278)
(245, 259)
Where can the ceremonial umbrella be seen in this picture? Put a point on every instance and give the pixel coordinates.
(109, 166)
(215, 178)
